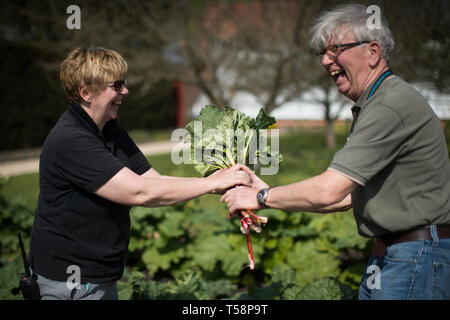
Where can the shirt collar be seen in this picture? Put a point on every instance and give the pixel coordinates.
(362, 100)
(81, 115)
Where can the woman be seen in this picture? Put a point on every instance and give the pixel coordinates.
(91, 173)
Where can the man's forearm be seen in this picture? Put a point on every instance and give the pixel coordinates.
(342, 206)
(324, 193)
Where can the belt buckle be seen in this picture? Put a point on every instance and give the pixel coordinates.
(379, 249)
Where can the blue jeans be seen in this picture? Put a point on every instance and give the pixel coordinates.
(416, 270)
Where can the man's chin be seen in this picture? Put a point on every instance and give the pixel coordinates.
(344, 90)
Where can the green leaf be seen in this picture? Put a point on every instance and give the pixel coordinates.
(155, 259)
(230, 250)
(225, 138)
(172, 227)
(324, 289)
(313, 258)
(262, 121)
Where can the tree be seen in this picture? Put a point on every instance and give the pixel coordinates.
(225, 47)
(420, 30)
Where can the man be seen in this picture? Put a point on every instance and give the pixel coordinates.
(393, 170)
(91, 173)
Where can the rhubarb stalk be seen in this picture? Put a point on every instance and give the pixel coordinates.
(250, 219)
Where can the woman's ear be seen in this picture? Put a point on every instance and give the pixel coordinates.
(374, 53)
(84, 93)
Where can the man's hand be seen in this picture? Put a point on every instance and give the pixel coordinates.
(227, 178)
(240, 198)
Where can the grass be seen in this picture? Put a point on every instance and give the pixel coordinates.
(24, 186)
(142, 136)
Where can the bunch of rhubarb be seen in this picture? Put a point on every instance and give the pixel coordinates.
(249, 220)
(219, 139)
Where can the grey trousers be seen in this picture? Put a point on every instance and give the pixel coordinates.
(59, 290)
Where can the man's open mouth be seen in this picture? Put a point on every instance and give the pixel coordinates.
(337, 73)
(117, 103)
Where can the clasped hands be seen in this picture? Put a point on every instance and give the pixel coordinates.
(242, 194)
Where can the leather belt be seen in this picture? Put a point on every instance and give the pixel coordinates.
(390, 239)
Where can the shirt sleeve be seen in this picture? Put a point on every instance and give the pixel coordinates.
(378, 138)
(138, 162)
(85, 161)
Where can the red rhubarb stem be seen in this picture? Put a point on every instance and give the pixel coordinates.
(246, 228)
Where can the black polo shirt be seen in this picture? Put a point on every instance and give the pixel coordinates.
(72, 225)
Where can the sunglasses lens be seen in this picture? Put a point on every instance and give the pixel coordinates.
(118, 85)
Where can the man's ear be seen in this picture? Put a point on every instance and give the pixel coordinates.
(85, 94)
(374, 53)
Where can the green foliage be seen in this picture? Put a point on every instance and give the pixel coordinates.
(194, 251)
(309, 245)
(15, 216)
(191, 285)
(9, 280)
(228, 137)
(324, 289)
(187, 285)
(284, 285)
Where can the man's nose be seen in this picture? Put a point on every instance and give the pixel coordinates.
(326, 60)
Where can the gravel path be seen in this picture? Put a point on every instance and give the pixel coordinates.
(12, 168)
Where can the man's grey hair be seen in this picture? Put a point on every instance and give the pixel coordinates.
(350, 18)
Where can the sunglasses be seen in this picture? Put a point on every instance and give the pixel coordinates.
(118, 84)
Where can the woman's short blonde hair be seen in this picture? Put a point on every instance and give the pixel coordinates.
(90, 67)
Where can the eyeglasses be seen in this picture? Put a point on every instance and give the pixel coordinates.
(334, 50)
(118, 84)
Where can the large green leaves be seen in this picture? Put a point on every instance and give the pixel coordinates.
(222, 138)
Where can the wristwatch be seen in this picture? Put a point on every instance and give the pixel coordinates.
(261, 197)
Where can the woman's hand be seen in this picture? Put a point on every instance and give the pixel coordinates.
(257, 183)
(225, 179)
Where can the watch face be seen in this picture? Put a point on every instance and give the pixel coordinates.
(260, 196)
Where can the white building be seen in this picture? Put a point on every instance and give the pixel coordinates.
(301, 109)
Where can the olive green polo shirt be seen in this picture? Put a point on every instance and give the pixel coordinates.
(396, 152)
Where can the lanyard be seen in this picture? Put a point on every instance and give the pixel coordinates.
(379, 81)
(355, 110)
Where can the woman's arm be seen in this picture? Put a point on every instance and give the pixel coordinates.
(153, 190)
